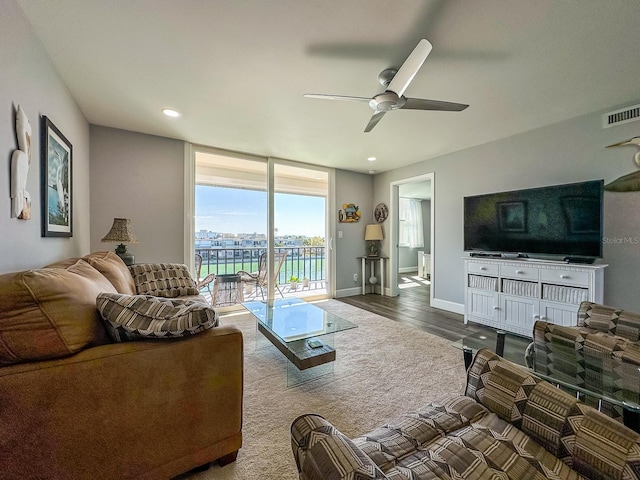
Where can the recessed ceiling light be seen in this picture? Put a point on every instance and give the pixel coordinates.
(372, 159)
(170, 112)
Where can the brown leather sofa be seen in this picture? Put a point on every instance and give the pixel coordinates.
(75, 405)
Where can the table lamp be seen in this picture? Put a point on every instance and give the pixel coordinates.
(121, 233)
(372, 234)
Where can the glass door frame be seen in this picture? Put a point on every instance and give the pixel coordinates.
(189, 208)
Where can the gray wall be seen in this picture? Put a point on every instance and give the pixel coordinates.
(352, 188)
(570, 151)
(140, 177)
(28, 78)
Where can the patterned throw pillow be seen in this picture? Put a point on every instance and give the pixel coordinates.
(163, 279)
(132, 317)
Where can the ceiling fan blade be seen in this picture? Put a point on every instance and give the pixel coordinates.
(410, 67)
(336, 97)
(424, 104)
(375, 118)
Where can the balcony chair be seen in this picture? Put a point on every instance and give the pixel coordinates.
(259, 278)
(207, 280)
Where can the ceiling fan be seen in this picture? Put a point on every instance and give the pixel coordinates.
(395, 83)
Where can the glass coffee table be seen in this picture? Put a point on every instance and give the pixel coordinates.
(303, 332)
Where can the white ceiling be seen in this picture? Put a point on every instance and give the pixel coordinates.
(237, 70)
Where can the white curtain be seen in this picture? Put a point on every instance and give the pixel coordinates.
(410, 227)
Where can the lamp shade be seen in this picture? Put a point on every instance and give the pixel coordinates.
(373, 232)
(120, 232)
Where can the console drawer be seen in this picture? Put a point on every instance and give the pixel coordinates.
(565, 277)
(517, 271)
(482, 268)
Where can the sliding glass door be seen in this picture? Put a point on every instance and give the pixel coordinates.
(300, 227)
(260, 225)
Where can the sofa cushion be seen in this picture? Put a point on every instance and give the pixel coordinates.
(328, 454)
(163, 279)
(50, 312)
(510, 450)
(132, 317)
(393, 441)
(114, 269)
(503, 387)
(547, 418)
(605, 449)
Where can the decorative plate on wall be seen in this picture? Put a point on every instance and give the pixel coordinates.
(381, 212)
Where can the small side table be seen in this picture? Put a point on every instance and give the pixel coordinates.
(227, 290)
(372, 261)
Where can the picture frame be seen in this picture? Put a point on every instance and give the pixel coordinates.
(380, 212)
(56, 181)
(512, 216)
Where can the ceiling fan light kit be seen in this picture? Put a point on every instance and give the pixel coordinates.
(395, 83)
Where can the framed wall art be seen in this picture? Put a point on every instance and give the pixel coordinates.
(380, 212)
(56, 184)
(349, 213)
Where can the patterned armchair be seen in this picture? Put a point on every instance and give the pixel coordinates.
(601, 354)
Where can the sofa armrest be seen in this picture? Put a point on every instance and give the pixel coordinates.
(152, 408)
(322, 452)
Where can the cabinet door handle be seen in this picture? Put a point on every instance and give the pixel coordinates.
(483, 268)
(519, 272)
(565, 277)
(495, 307)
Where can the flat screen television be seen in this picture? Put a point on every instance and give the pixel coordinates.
(564, 220)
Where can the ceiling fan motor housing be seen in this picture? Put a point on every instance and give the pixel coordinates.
(386, 101)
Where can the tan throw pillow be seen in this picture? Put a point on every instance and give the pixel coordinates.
(114, 269)
(50, 312)
(132, 317)
(163, 279)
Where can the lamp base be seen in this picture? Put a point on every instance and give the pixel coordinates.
(127, 257)
(372, 249)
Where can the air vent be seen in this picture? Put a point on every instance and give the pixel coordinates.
(618, 117)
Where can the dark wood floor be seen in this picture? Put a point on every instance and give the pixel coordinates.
(412, 307)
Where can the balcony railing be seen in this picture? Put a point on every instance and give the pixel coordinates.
(301, 262)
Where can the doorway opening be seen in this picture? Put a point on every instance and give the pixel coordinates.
(412, 234)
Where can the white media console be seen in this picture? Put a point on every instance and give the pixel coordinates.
(512, 294)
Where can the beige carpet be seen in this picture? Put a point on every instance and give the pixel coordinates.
(383, 369)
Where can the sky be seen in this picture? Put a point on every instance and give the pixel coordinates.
(233, 210)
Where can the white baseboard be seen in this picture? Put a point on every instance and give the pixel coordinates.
(348, 292)
(408, 269)
(436, 303)
(449, 306)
